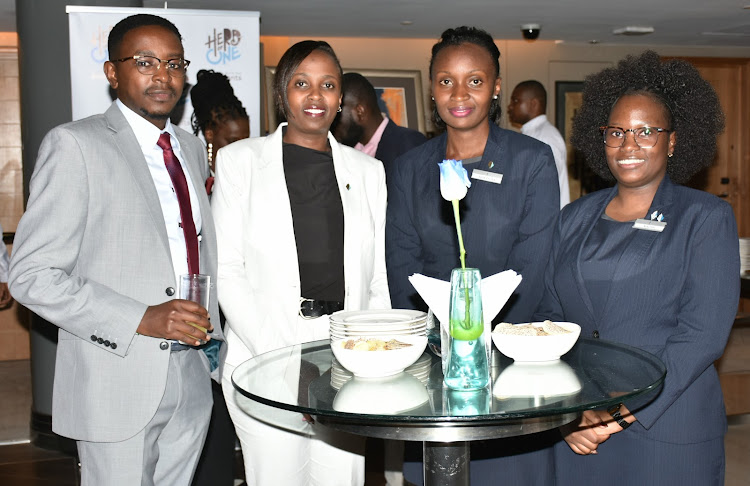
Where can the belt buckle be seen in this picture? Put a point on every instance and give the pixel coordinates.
(302, 300)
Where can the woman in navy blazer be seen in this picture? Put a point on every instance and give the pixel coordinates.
(507, 216)
(650, 264)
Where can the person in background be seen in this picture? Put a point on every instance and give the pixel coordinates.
(507, 216)
(5, 298)
(527, 108)
(116, 213)
(301, 228)
(361, 124)
(217, 114)
(220, 117)
(651, 264)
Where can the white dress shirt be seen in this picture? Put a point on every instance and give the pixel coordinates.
(147, 135)
(541, 129)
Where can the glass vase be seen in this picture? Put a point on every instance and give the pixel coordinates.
(467, 367)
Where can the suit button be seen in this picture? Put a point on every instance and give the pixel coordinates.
(163, 345)
(595, 334)
(106, 342)
(170, 291)
(113, 345)
(93, 337)
(100, 340)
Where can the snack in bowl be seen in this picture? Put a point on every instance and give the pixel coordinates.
(362, 344)
(535, 341)
(393, 357)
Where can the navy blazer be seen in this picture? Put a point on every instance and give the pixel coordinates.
(673, 294)
(395, 141)
(505, 226)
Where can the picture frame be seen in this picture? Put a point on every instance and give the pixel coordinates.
(399, 90)
(568, 98)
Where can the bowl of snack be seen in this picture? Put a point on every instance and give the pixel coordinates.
(535, 341)
(375, 357)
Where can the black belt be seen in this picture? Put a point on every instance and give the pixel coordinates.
(310, 309)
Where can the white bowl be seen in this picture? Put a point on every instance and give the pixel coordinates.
(545, 379)
(374, 364)
(380, 395)
(537, 348)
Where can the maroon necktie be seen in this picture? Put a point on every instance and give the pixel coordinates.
(183, 198)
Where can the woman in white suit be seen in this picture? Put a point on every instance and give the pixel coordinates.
(300, 224)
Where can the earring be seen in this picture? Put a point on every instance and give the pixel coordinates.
(339, 110)
(494, 97)
(670, 155)
(432, 98)
(210, 149)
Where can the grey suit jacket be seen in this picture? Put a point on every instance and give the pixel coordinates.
(90, 255)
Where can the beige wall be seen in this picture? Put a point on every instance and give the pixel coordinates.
(14, 335)
(545, 61)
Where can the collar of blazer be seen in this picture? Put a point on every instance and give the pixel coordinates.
(642, 241)
(273, 154)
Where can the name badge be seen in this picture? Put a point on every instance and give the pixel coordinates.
(645, 224)
(483, 175)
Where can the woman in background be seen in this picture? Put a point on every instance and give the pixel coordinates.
(651, 264)
(300, 224)
(220, 117)
(507, 216)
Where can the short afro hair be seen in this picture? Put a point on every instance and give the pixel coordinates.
(689, 100)
(117, 34)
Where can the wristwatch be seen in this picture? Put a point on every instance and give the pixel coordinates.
(614, 411)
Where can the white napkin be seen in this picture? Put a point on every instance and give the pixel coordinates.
(496, 290)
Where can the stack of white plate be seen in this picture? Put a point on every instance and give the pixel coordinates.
(744, 256)
(374, 324)
(404, 331)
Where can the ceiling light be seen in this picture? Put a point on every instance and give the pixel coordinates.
(407, 22)
(634, 30)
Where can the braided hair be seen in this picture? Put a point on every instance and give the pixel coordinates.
(214, 101)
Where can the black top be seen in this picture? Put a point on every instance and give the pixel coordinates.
(318, 221)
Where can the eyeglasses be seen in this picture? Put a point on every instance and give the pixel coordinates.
(645, 137)
(149, 65)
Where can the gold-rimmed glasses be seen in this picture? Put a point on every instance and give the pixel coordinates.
(645, 137)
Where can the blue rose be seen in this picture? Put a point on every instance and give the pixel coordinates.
(454, 181)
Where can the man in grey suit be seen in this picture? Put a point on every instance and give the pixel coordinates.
(98, 251)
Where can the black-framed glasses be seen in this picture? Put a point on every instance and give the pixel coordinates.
(645, 137)
(149, 65)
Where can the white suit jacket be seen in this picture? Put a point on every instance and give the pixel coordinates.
(91, 254)
(259, 283)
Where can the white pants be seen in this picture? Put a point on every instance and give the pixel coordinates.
(279, 448)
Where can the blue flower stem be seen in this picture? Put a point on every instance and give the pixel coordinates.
(466, 324)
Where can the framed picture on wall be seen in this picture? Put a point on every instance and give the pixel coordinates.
(399, 96)
(568, 98)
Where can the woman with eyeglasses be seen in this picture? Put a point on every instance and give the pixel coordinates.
(651, 264)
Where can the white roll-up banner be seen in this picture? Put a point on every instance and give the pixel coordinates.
(222, 40)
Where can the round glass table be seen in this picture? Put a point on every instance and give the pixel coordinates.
(523, 398)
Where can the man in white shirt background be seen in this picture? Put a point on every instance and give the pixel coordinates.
(527, 108)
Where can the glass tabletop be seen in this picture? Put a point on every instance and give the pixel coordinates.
(594, 374)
